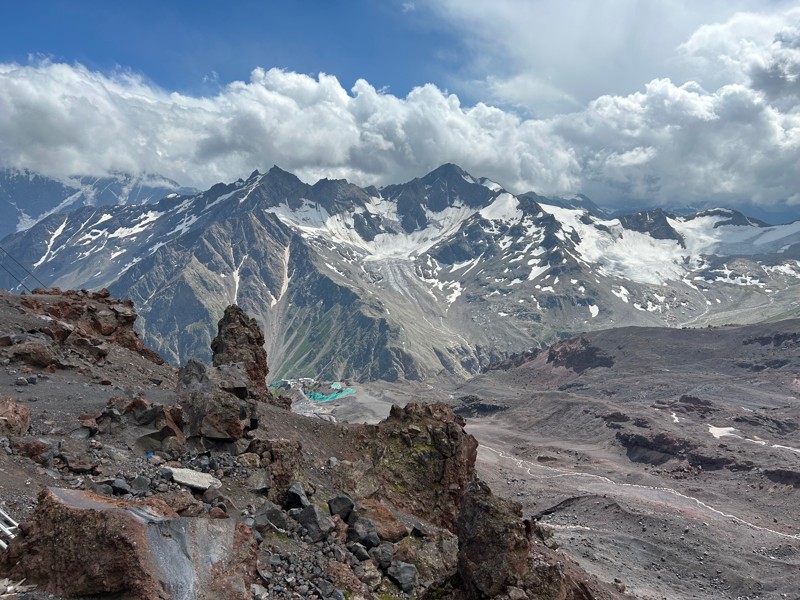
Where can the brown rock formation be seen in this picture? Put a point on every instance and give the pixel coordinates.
(84, 321)
(499, 555)
(14, 419)
(212, 415)
(423, 460)
(578, 354)
(77, 543)
(239, 358)
(240, 340)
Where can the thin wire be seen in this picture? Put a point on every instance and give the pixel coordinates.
(15, 278)
(22, 267)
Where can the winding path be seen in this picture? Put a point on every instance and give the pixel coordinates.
(661, 495)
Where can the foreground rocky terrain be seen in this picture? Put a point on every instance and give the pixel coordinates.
(130, 479)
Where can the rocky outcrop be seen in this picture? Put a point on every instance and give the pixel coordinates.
(87, 321)
(14, 419)
(500, 556)
(212, 415)
(422, 460)
(79, 544)
(240, 340)
(579, 355)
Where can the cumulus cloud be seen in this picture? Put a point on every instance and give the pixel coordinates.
(64, 119)
(669, 143)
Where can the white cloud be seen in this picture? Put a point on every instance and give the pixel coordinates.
(667, 143)
(61, 119)
(580, 49)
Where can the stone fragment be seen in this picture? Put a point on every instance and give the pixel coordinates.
(369, 575)
(141, 484)
(296, 496)
(39, 450)
(249, 459)
(362, 531)
(34, 353)
(316, 522)
(14, 418)
(193, 479)
(382, 555)
(404, 575)
(120, 486)
(359, 551)
(271, 514)
(387, 526)
(259, 481)
(79, 462)
(341, 505)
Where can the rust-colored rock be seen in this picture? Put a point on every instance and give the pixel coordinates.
(86, 321)
(240, 340)
(389, 528)
(423, 460)
(286, 466)
(14, 419)
(34, 354)
(212, 415)
(500, 555)
(39, 450)
(80, 544)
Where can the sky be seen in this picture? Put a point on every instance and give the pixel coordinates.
(631, 102)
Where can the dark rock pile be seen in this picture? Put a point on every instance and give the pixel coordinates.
(579, 355)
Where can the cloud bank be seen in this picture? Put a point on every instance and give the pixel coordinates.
(669, 143)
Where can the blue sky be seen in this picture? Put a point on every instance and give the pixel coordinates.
(182, 45)
(658, 102)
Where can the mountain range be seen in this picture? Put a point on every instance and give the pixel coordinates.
(27, 197)
(441, 275)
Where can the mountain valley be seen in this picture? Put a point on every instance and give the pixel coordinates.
(440, 276)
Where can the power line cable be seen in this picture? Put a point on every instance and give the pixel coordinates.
(22, 267)
(2, 266)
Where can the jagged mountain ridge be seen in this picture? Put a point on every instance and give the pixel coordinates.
(442, 274)
(27, 197)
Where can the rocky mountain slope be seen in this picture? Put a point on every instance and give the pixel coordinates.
(133, 481)
(27, 197)
(667, 458)
(441, 275)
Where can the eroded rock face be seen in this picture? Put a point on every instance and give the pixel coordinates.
(86, 321)
(211, 415)
(240, 340)
(14, 418)
(500, 556)
(423, 460)
(493, 544)
(77, 544)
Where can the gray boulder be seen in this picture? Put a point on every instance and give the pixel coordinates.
(404, 575)
(316, 522)
(341, 505)
(271, 515)
(382, 555)
(296, 496)
(362, 531)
